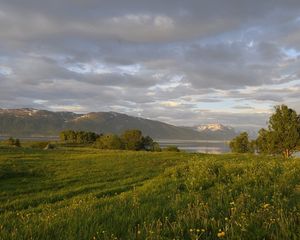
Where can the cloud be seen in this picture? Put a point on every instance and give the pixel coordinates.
(170, 104)
(184, 62)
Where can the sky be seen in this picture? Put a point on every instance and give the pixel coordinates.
(182, 62)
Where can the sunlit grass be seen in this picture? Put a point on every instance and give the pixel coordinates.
(84, 193)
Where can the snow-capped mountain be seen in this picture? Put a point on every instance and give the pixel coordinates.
(216, 131)
(213, 127)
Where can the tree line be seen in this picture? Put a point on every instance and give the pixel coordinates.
(129, 140)
(281, 137)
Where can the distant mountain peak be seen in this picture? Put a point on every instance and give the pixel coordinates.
(212, 127)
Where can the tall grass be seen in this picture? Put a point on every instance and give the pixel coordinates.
(82, 193)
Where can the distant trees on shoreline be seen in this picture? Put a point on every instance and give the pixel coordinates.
(14, 142)
(82, 137)
(129, 140)
(281, 137)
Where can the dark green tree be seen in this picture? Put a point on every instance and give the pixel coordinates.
(81, 137)
(265, 142)
(17, 143)
(11, 141)
(14, 142)
(241, 144)
(284, 130)
(149, 144)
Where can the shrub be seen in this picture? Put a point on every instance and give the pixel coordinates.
(132, 139)
(14, 142)
(39, 145)
(171, 149)
(109, 141)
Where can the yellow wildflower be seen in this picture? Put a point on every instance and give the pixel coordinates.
(266, 205)
(221, 234)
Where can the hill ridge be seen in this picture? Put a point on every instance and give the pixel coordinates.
(37, 122)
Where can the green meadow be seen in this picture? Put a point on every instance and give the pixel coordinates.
(85, 193)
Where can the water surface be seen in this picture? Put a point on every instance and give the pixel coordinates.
(201, 146)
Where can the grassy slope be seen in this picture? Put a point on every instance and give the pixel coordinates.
(83, 193)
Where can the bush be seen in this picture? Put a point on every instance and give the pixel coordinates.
(109, 141)
(39, 145)
(132, 139)
(13, 142)
(156, 147)
(49, 146)
(171, 149)
(149, 145)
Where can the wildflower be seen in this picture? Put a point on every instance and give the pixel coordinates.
(221, 234)
(202, 230)
(138, 232)
(198, 230)
(226, 219)
(266, 205)
(231, 203)
(191, 230)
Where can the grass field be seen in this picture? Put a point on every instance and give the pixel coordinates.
(84, 193)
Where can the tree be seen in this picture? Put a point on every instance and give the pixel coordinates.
(80, 137)
(284, 130)
(156, 147)
(149, 144)
(132, 139)
(241, 144)
(17, 143)
(265, 142)
(11, 141)
(109, 141)
(14, 142)
(68, 136)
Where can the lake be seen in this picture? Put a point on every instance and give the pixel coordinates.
(201, 146)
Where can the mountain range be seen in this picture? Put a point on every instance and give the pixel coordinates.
(28, 122)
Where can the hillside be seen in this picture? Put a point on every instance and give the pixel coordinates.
(32, 122)
(29, 122)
